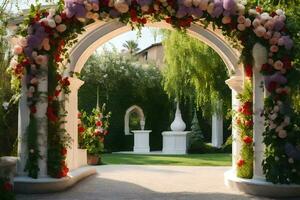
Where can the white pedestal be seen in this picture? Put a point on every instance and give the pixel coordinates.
(175, 142)
(141, 141)
(217, 131)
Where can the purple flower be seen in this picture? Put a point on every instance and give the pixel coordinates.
(28, 51)
(287, 42)
(73, 8)
(196, 12)
(228, 4)
(144, 2)
(181, 12)
(33, 41)
(114, 13)
(292, 151)
(277, 78)
(217, 11)
(278, 25)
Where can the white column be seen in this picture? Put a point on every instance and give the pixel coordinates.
(42, 127)
(260, 58)
(217, 130)
(23, 122)
(71, 125)
(236, 85)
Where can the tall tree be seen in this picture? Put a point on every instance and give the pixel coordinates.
(194, 71)
(131, 46)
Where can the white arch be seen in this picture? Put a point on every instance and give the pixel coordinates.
(130, 110)
(99, 33)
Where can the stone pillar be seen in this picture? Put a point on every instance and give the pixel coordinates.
(260, 58)
(236, 85)
(23, 122)
(217, 128)
(42, 119)
(71, 125)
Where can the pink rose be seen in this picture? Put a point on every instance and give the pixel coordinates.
(248, 22)
(273, 41)
(241, 27)
(278, 65)
(226, 20)
(58, 19)
(18, 50)
(41, 60)
(61, 28)
(260, 31)
(241, 19)
(268, 35)
(282, 134)
(23, 42)
(95, 6)
(256, 23)
(274, 48)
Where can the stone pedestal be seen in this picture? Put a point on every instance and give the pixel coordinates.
(217, 131)
(175, 142)
(8, 167)
(141, 141)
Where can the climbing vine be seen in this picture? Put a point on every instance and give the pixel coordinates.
(46, 35)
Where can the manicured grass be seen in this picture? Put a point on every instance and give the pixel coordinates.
(220, 159)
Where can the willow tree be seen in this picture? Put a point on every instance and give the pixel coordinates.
(195, 72)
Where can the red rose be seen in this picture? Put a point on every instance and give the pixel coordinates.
(133, 15)
(248, 140)
(287, 63)
(272, 86)
(65, 81)
(249, 123)
(50, 98)
(168, 20)
(8, 186)
(259, 9)
(266, 68)
(240, 163)
(98, 123)
(63, 151)
(97, 133)
(248, 71)
(33, 109)
(50, 114)
(81, 129)
(57, 92)
(247, 108)
(105, 132)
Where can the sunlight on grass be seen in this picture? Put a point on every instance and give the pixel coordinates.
(184, 160)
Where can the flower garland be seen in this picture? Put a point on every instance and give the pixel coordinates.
(6, 190)
(47, 34)
(244, 122)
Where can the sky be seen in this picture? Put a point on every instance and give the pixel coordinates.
(145, 40)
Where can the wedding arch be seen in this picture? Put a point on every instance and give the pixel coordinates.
(256, 46)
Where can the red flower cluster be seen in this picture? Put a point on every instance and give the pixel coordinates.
(249, 123)
(81, 129)
(248, 140)
(240, 162)
(248, 71)
(63, 171)
(246, 108)
(8, 186)
(65, 81)
(99, 123)
(63, 151)
(186, 22)
(50, 114)
(267, 69)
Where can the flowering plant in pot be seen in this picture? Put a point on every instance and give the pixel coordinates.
(6, 190)
(92, 130)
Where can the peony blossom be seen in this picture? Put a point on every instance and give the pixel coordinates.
(241, 27)
(282, 134)
(260, 31)
(278, 65)
(18, 50)
(226, 20)
(61, 28)
(241, 19)
(274, 48)
(121, 6)
(57, 19)
(51, 23)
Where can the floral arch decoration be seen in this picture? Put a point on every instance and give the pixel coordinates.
(46, 35)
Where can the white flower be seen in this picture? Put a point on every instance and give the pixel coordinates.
(5, 105)
(51, 23)
(58, 19)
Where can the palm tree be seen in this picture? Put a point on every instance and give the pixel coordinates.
(131, 46)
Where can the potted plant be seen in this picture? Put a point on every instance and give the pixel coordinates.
(92, 131)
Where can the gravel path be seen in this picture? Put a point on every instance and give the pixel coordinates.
(131, 182)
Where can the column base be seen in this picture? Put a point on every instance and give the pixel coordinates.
(26, 185)
(259, 187)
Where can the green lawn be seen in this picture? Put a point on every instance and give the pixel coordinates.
(220, 159)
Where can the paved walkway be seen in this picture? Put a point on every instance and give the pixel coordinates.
(130, 182)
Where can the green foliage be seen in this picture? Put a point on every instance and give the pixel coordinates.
(123, 83)
(194, 71)
(131, 46)
(8, 115)
(196, 138)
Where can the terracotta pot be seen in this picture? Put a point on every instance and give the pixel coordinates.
(93, 159)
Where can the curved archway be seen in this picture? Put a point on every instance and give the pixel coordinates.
(100, 32)
(133, 109)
